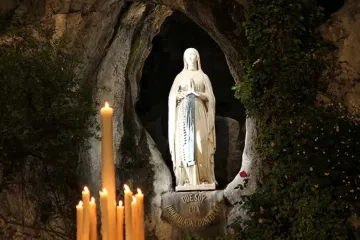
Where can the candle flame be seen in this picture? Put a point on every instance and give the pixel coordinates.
(139, 191)
(86, 189)
(134, 199)
(92, 200)
(80, 203)
(126, 187)
(120, 203)
(104, 191)
(106, 104)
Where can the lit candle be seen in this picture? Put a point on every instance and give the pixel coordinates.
(108, 165)
(140, 205)
(104, 214)
(86, 223)
(93, 220)
(134, 219)
(79, 221)
(120, 221)
(127, 200)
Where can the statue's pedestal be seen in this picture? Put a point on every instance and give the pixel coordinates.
(195, 214)
(202, 187)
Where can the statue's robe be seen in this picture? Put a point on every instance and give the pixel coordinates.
(201, 169)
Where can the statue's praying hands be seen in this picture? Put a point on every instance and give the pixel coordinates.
(191, 88)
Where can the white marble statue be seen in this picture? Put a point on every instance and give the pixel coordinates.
(192, 140)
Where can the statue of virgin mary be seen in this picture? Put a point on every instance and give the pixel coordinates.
(191, 123)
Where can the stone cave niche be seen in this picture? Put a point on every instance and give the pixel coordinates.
(165, 61)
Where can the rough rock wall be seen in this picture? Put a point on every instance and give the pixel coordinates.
(88, 29)
(139, 162)
(343, 30)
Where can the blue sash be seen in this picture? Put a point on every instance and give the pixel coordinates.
(189, 129)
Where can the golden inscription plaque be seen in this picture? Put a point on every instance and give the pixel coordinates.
(193, 209)
(192, 222)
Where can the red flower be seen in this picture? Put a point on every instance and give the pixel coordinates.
(261, 220)
(272, 144)
(242, 225)
(243, 174)
(262, 210)
(232, 231)
(252, 214)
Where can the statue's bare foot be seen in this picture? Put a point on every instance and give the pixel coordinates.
(187, 182)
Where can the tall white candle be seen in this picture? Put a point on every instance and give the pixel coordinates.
(93, 220)
(104, 206)
(128, 219)
(134, 219)
(108, 166)
(79, 221)
(120, 221)
(86, 220)
(140, 208)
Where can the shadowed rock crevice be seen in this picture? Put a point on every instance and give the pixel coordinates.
(134, 166)
(330, 7)
(134, 152)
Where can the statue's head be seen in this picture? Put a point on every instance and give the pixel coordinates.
(191, 58)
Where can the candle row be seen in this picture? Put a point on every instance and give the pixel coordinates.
(113, 218)
(86, 221)
(132, 212)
